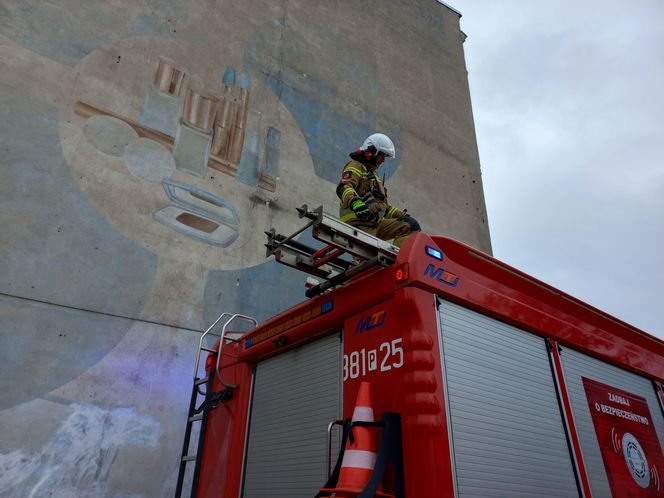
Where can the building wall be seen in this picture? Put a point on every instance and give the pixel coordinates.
(107, 280)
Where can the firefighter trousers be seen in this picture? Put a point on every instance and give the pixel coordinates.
(388, 229)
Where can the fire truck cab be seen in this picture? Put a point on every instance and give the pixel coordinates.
(484, 381)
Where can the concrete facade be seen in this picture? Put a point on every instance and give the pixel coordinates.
(122, 236)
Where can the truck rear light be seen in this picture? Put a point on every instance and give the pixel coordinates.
(401, 273)
(209, 363)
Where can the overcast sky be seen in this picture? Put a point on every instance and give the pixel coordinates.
(568, 99)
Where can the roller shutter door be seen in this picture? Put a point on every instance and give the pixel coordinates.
(505, 421)
(295, 395)
(577, 365)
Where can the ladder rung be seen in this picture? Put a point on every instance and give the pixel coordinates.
(209, 350)
(196, 418)
(188, 458)
(198, 382)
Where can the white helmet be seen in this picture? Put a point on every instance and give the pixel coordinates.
(381, 142)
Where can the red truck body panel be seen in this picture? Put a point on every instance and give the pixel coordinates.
(390, 339)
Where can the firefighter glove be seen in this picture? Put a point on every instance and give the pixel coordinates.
(362, 211)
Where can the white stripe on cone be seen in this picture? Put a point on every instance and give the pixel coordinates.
(363, 414)
(359, 459)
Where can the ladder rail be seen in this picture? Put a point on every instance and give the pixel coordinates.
(222, 337)
(326, 263)
(200, 342)
(200, 414)
(353, 240)
(303, 212)
(185, 457)
(340, 278)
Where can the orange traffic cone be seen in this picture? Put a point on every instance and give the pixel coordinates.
(360, 456)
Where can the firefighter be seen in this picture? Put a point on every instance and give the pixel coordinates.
(363, 195)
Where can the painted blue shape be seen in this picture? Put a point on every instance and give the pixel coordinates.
(222, 235)
(172, 10)
(52, 345)
(271, 159)
(162, 19)
(245, 81)
(59, 249)
(47, 29)
(61, 34)
(150, 25)
(331, 134)
(260, 291)
(201, 202)
(67, 249)
(161, 111)
(191, 149)
(192, 200)
(248, 169)
(251, 167)
(229, 76)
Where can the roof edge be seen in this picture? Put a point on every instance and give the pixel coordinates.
(450, 7)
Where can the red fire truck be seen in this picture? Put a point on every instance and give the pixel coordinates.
(483, 382)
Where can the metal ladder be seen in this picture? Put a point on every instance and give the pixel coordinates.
(210, 399)
(327, 263)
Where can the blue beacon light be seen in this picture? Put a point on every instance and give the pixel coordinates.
(434, 253)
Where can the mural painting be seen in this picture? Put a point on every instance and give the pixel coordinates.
(186, 169)
(146, 147)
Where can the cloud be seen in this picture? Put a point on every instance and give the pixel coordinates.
(568, 103)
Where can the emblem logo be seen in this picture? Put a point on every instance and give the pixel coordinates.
(635, 458)
(441, 275)
(371, 322)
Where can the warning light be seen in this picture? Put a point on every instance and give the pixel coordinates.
(401, 274)
(293, 321)
(209, 363)
(434, 253)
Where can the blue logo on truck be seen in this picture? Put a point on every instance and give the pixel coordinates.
(441, 275)
(371, 322)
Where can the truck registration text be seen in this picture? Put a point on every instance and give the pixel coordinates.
(389, 355)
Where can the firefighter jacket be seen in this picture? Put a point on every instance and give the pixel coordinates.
(360, 181)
